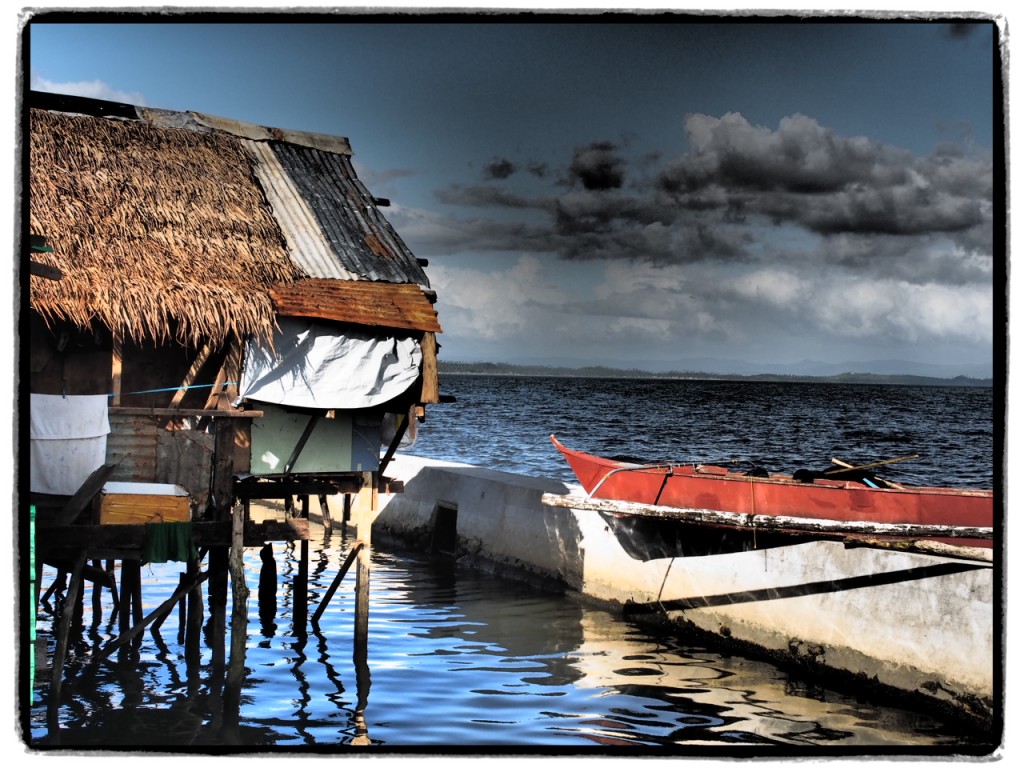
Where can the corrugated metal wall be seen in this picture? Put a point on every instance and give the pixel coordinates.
(148, 453)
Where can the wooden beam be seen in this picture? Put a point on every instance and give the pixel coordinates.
(298, 487)
(190, 377)
(115, 371)
(780, 523)
(351, 558)
(127, 541)
(158, 412)
(314, 419)
(162, 610)
(395, 442)
(431, 387)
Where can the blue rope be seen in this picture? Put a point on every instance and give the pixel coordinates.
(171, 389)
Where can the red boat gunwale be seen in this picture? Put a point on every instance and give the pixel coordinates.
(692, 486)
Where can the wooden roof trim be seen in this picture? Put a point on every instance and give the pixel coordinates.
(402, 306)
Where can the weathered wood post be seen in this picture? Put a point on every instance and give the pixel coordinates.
(63, 633)
(239, 615)
(221, 509)
(364, 521)
(193, 613)
(97, 595)
(300, 603)
(131, 594)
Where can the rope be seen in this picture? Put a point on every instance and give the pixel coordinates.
(173, 389)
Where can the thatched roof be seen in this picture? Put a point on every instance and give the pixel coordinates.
(158, 232)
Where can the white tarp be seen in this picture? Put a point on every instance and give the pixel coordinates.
(316, 365)
(67, 441)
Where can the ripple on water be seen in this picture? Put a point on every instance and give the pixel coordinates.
(457, 658)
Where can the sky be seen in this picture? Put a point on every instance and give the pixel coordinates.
(733, 195)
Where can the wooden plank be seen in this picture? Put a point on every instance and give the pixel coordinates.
(923, 547)
(117, 541)
(280, 489)
(83, 497)
(157, 412)
(765, 522)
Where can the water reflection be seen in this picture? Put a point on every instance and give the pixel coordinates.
(451, 658)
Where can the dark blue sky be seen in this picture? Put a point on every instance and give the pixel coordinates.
(626, 192)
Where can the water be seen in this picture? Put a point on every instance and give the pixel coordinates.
(457, 659)
(504, 423)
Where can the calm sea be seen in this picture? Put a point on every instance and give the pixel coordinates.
(458, 660)
(505, 422)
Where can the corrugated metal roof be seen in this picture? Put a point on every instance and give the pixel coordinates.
(385, 305)
(360, 238)
(307, 246)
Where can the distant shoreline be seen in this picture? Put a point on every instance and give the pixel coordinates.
(602, 372)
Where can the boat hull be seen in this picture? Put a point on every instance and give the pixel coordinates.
(913, 622)
(716, 488)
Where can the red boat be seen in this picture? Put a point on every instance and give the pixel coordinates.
(845, 494)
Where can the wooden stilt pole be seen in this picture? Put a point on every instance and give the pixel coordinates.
(166, 607)
(113, 589)
(64, 631)
(239, 617)
(136, 591)
(97, 597)
(336, 583)
(193, 613)
(325, 512)
(218, 601)
(182, 608)
(300, 603)
(124, 614)
(267, 593)
(364, 520)
(360, 658)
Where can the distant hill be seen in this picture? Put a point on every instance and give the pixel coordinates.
(605, 372)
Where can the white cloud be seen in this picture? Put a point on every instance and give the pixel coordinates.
(633, 278)
(770, 286)
(906, 311)
(496, 305)
(93, 89)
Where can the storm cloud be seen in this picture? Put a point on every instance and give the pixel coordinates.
(864, 205)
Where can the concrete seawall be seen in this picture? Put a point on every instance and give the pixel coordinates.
(480, 513)
(500, 518)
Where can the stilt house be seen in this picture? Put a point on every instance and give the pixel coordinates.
(216, 311)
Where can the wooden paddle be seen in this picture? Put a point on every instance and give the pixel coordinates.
(844, 467)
